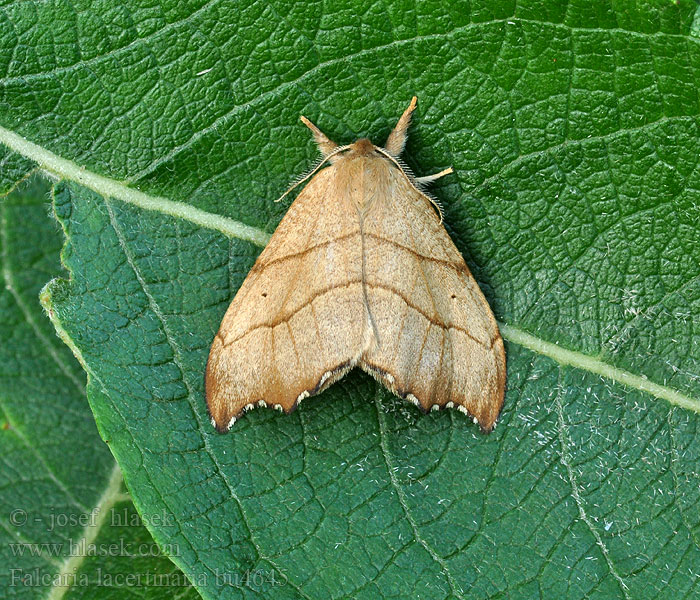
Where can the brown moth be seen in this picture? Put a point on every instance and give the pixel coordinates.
(360, 272)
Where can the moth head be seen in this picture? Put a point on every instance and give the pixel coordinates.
(393, 147)
(362, 147)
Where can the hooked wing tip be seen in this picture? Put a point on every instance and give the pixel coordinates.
(219, 405)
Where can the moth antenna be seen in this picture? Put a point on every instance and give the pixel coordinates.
(325, 145)
(409, 177)
(302, 179)
(406, 169)
(396, 141)
(436, 203)
(299, 178)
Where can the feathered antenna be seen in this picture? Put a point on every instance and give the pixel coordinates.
(414, 182)
(335, 152)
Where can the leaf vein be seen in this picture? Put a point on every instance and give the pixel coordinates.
(69, 568)
(190, 393)
(565, 458)
(400, 494)
(108, 187)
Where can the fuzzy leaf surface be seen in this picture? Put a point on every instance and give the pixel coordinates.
(573, 130)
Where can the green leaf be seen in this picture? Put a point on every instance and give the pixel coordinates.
(69, 529)
(573, 131)
(13, 169)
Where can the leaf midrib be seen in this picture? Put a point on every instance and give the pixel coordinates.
(111, 188)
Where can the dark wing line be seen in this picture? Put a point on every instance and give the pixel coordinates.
(301, 253)
(448, 263)
(286, 317)
(292, 283)
(432, 320)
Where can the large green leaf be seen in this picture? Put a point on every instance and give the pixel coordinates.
(573, 130)
(69, 529)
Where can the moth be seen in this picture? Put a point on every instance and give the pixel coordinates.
(360, 272)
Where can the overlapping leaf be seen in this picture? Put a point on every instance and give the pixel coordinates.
(69, 528)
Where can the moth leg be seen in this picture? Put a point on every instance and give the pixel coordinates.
(396, 141)
(425, 180)
(325, 145)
